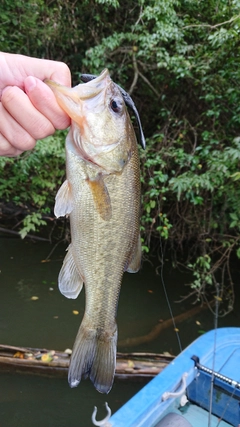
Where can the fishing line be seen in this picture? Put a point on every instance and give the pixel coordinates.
(226, 406)
(167, 299)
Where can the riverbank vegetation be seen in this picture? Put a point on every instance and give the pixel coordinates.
(180, 61)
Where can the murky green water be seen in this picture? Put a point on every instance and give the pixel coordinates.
(27, 400)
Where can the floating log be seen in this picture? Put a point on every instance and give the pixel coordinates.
(55, 363)
(141, 365)
(157, 329)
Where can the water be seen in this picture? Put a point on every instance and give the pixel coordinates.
(28, 401)
(48, 321)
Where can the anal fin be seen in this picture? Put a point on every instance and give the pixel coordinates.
(64, 201)
(70, 282)
(135, 262)
(101, 197)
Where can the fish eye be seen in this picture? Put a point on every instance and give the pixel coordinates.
(115, 106)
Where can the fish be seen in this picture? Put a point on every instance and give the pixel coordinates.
(101, 195)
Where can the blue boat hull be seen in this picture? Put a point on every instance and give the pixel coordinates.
(218, 351)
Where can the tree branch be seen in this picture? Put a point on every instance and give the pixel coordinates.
(213, 26)
(136, 74)
(149, 84)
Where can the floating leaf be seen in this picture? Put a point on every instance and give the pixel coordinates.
(47, 358)
(130, 364)
(19, 355)
(166, 353)
(28, 355)
(75, 312)
(34, 298)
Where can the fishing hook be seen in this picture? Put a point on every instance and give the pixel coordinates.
(103, 422)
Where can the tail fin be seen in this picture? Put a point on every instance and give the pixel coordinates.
(94, 355)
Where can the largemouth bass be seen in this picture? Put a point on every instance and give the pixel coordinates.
(102, 196)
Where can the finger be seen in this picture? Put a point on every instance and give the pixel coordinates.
(6, 149)
(19, 106)
(16, 136)
(44, 101)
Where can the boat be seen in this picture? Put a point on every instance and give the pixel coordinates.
(200, 387)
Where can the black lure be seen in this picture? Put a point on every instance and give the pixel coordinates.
(128, 101)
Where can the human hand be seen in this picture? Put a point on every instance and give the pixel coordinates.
(28, 108)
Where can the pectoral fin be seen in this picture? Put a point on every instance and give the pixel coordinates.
(101, 198)
(135, 262)
(70, 281)
(64, 201)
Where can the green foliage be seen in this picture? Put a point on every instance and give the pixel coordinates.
(61, 30)
(201, 272)
(31, 222)
(180, 62)
(32, 180)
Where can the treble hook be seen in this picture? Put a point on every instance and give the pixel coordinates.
(105, 420)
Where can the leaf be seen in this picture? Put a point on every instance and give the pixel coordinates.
(238, 253)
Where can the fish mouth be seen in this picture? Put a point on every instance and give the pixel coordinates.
(67, 96)
(71, 100)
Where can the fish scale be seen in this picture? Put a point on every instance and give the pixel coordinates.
(98, 242)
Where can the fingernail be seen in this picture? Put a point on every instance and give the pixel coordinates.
(30, 84)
